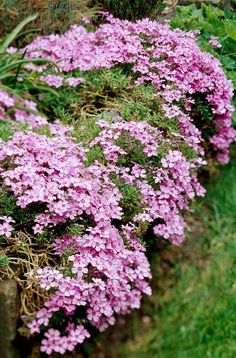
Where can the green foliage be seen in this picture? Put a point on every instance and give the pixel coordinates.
(23, 217)
(114, 79)
(133, 149)
(96, 95)
(12, 67)
(106, 91)
(7, 204)
(211, 21)
(4, 261)
(11, 37)
(130, 200)
(95, 153)
(221, 199)
(76, 229)
(132, 10)
(142, 103)
(203, 116)
(6, 130)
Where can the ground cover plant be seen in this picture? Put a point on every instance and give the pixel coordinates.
(192, 314)
(107, 170)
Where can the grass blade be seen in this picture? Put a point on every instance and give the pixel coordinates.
(16, 31)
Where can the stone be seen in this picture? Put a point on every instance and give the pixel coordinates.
(9, 315)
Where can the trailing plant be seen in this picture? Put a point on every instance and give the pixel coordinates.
(173, 69)
(96, 190)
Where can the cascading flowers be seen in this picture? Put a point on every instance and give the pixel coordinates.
(102, 271)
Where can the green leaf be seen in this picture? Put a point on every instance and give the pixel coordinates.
(212, 12)
(230, 28)
(18, 63)
(42, 88)
(228, 62)
(16, 31)
(232, 77)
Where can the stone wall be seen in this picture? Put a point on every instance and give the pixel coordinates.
(9, 315)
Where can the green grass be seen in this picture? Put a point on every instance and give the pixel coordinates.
(191, 313)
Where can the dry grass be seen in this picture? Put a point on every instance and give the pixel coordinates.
(53, 15)
(25, 258)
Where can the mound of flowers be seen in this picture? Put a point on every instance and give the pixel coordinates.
(170, 59)
(96, 214)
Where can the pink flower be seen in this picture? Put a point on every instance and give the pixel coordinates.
(6, 227)
(73, 82)
(103, 271)
(214, 42)
(53, 80)
(34, 327)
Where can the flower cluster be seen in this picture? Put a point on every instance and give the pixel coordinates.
(106, 276)
(102, 270)
(170, 59)
(143, 132)
(107, 270)
(58, 81)
(22, 111)
(6, 227)
(54, 342)
(51, 172)
(176, 187)
(214, 42)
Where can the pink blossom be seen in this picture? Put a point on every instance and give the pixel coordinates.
(6, 227)
(178, 69)
(214, 42)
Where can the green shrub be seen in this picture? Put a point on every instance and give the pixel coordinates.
(132, 10)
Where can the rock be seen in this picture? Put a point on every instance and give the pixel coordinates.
(9, 314)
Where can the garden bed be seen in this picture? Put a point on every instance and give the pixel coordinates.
(105, 143)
